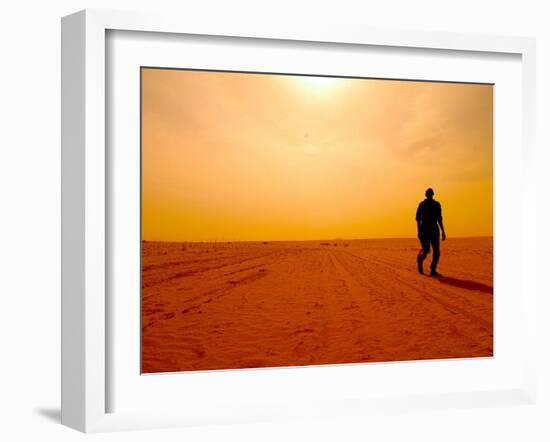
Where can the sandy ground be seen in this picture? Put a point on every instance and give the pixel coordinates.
(219, 306)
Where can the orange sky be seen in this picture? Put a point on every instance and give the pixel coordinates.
(236, 157)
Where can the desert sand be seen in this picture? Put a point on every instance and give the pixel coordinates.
(265, 304)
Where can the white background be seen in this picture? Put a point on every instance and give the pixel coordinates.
(30, 218)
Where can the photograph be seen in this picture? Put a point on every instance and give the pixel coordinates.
(301, 220)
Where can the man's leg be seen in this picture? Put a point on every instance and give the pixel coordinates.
(435, 257)
(425, 244)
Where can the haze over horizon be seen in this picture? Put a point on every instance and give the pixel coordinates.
(257, 157)
(329, 240)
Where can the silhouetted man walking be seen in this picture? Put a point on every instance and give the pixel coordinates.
(428, 221)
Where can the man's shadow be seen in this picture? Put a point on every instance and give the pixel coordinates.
(466, 284)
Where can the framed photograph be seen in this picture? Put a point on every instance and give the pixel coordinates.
(263, 222)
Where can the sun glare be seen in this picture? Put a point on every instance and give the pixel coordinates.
(319, 84)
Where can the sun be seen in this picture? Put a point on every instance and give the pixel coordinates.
(319, 84)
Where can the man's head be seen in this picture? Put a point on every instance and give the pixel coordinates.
(429, 193)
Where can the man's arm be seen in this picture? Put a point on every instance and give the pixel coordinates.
(418, 219)
(440, 222)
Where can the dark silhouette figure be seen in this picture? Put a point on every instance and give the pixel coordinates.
(428, 221)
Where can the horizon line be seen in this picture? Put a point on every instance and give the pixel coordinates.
(305, 240)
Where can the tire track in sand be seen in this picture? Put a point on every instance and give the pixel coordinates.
(390, 311)
(359, 312)
(452, 307)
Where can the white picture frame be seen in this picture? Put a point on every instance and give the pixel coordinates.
(85, 205)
